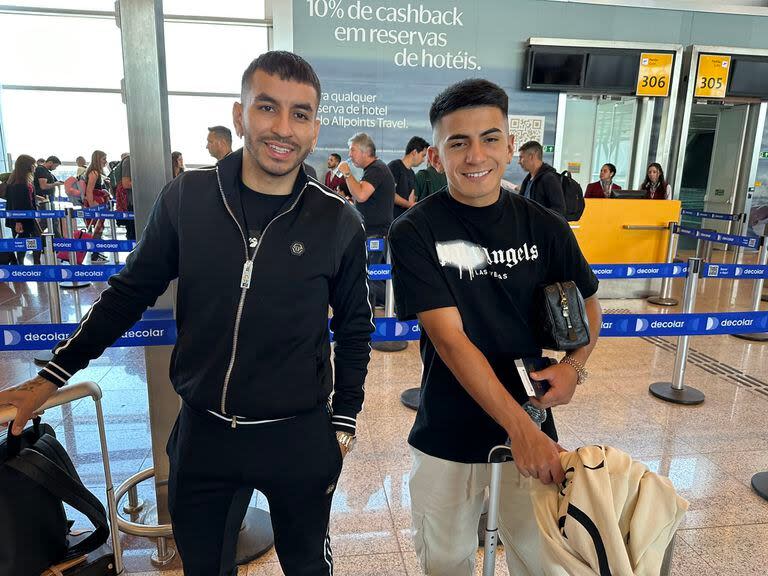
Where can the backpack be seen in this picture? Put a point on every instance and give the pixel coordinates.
(116, 175)
(574, 197)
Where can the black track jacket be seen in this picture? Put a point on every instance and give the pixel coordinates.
(260, 352)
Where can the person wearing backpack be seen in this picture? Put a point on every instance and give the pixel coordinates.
(542, 184)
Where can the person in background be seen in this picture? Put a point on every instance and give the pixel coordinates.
(542, 184)
(428, 181)
(335, 179)
(310, 170)
(96, 194)
(655, 184)
(405, 179)
(20, 195)
(605, 186)
(177, 163)
(40, 161)
(124, 194)
(45, 182)
(219, 142)
(81, 166)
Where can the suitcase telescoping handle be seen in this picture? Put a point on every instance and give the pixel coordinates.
(496, 457)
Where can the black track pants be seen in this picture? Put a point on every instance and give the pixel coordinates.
(214, 468)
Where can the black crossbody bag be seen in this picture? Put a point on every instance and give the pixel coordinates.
(37, 478)
(560, 317)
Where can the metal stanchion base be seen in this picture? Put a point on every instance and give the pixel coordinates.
(688, 395)
(395, 346)
(411, 398)
(658, 300)
(42, 357)
(760, 484)
(163, 555)
(754, 336)
(73, 285)
(255, 537)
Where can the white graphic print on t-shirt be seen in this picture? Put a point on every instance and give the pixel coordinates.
(476, 259)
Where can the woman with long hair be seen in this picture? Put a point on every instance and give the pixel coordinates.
(655, 184)
(177, 162)
(20, 195)
(604, 187)
(96, 194)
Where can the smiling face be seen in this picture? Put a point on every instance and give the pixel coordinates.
(278, 125)
(653, 174)
(473, 148)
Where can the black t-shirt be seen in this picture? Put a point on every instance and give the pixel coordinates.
(43, 172)
(405, 181)
(259, 209)
(487, 262)
(377, 210)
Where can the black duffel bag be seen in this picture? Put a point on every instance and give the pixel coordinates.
(36, 478)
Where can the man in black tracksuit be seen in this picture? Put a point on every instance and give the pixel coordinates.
(542, 184)
(252, 358)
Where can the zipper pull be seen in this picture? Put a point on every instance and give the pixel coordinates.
(245, 279)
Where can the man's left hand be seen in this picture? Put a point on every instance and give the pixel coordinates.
(344, 169)
(562, 381)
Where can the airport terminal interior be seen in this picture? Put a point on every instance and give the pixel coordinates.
(681, 253)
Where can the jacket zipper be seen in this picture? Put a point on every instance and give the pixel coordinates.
(245, 283)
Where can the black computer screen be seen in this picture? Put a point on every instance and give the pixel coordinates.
(556, 69)
(615, 72)
(749, 78)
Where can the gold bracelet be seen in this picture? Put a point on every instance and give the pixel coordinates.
(581, 371)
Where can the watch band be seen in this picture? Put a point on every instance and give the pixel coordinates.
(581, 371)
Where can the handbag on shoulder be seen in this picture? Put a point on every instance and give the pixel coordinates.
(560, 318)
(37, 478)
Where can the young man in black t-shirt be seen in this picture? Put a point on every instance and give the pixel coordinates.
(374, 197)
(467, 262)
(402, 171)
(45, 182)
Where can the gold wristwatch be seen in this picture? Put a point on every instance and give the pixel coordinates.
(581, 372)
(346, 440)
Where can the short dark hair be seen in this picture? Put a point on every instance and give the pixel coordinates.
(337, 156)
(54, 159)
(611, 167)
(532, 147)
(470, 93)
(416, 143)
(285, 65)
(222, 132)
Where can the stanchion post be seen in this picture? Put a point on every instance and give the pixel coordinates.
(757, 294)
(113, 229)
(49, 221)
(676, 391)
(69, 232)
(738, 253)
(665, 294)
(54, 301)
(389, 312)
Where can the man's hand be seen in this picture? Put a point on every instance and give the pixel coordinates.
(537, 455)
(344, 169)
(562, 380)
(27, 398)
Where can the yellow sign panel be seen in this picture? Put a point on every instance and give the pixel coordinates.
(654, 75)
(712, 76)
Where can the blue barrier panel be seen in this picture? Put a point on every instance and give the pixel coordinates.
(660, 270)
(32, 214)
(375, 244)
(746, 241)
(47, 273)
(20, 244)
(624, 325)
(711, 215)
(93, 245)
(741, 271)
(380, 272)
(45, 336)
(104, 215)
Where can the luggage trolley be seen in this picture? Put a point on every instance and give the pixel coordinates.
(496, 457)
(67, 394)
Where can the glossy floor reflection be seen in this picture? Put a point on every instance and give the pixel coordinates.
(709, 451)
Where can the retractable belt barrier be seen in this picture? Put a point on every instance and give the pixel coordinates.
(103, 214)
(743, 241)
(47, 273)
(711, 215)
(84, 213)
(20, 214)
(24, 244)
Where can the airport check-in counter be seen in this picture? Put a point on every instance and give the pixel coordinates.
(621, 231)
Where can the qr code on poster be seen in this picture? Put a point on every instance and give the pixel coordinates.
(526, 128)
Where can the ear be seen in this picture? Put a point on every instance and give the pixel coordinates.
(510, 148)
(317, 133)
(237, 118)
(434, 158)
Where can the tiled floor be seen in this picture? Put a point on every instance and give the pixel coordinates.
(709, 451)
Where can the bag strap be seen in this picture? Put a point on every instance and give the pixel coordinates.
(14, 442)
(41, 470)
